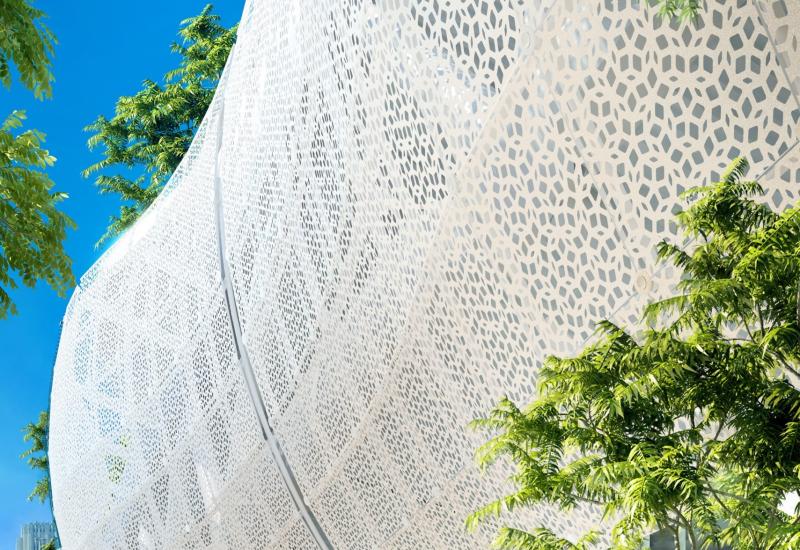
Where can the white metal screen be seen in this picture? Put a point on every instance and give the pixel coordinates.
(392, 212)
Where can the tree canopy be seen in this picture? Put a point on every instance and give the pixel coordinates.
(36, 434)
(27, 43)
(692, 422)
(145, 140)
(32, 229)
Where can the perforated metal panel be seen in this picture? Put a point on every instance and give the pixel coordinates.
(391, 214)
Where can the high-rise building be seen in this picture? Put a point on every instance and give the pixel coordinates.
(33, 536)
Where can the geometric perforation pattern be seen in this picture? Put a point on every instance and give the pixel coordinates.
(421, 201)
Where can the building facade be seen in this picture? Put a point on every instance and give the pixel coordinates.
(391, 214)
(34, 536)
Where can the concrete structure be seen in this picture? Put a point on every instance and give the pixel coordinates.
(391, 213)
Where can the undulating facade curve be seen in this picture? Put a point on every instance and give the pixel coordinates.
(391, 214)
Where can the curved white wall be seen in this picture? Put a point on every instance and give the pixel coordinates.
(420, 201)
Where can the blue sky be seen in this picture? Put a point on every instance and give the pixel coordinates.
(106, 48)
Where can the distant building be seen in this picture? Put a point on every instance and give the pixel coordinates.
(33, 536)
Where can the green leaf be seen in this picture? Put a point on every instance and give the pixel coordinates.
(151, 130)
(694, 423)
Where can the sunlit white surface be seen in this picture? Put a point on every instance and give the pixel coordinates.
(421, 201)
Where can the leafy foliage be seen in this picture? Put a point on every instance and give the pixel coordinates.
(542, 539)
(152, 130)
(26, 43)
(683, 10)
(692, 423)
(36, 434)
(32, 229)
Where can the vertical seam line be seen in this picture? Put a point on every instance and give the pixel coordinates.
(278, 456)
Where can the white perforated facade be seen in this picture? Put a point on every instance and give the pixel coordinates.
(392, 212)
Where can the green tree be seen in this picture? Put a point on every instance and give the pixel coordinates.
(36, 434)
(27, 43)
(32, 229)
(152, 130)
(692, 422)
